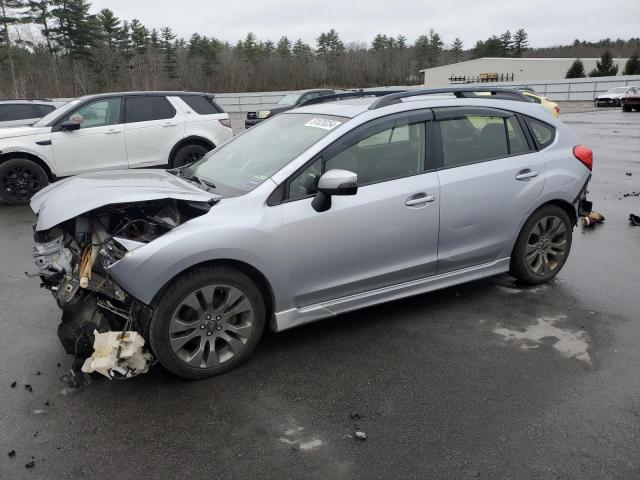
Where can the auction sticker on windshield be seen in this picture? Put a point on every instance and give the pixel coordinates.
(325, 123)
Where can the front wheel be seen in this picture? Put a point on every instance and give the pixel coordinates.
(188, 154)
(206, 322)
(20, 179)
(543, 245)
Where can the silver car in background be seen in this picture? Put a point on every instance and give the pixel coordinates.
(342, 204)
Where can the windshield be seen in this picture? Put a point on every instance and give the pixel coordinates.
(617, 90)
(49, 117)
(289, 99)
(245, 162)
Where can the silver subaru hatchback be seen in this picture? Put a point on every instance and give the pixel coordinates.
(351, 201)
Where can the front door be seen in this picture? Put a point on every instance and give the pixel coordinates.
(386, 234)
(97, 145)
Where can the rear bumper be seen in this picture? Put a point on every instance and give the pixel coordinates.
(583, 206)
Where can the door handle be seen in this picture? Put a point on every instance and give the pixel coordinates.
(524, 174)
(169, 125)
(415, 200)
(112, 131)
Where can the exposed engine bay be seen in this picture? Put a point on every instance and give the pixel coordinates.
(72, 260)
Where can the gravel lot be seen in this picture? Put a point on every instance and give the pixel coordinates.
(486, 380)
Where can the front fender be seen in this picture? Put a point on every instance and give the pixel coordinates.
(144, 271)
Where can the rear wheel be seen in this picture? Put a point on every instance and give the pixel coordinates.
(626, 109)
(543, 245)
(20, 179)
(208, 321)
(188, 154)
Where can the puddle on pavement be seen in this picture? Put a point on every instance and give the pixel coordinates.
(567, 342)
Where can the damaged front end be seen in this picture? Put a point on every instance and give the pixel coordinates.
(102, 325)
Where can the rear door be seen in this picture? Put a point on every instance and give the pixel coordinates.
(386, 234)
(490, 175)
(97, 145)
(153, 125)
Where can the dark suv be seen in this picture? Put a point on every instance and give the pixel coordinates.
(289, 101)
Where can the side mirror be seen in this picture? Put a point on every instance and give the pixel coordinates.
(334, 182)
(69, 126)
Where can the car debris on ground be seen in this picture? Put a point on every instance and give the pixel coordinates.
(358, 435)
(591, 219)
(118, 353)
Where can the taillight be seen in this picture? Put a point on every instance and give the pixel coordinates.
(585, 155)
(225, 121)
(557, 109)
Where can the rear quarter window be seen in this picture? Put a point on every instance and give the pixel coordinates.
(543, 133)
(200, 104)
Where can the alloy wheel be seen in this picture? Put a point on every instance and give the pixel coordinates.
(211, 326)
(21, 183)
(547, 245)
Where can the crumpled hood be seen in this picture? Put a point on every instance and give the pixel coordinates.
(12, 132)
(74, 196)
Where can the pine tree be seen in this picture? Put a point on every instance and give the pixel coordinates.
(76, 31)
(12, 12)
(168, 48)
(506, 44)
(605, 67)
(520, 42)
(457, 49)
(139, 36)
(576, 70)
(632, 67)
(302, 52)
(283, 48)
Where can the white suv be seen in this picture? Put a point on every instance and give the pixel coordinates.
(109, 132)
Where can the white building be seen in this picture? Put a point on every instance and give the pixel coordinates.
(519, 70)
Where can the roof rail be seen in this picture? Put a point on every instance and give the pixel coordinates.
(502, 93)
(351, 94)
(25, 100)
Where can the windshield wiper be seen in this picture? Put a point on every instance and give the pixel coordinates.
(201, 181)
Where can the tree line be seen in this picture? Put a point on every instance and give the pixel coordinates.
(605, 67)
(58, 48)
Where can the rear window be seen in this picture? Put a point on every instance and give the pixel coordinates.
(543, 133)
(45, 109)
(144, 109)
(200, 104)
(18, 111)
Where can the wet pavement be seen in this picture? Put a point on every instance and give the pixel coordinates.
(485, 380)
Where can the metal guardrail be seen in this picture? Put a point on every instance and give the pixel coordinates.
(575, 89)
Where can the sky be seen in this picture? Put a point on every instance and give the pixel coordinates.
(548, 22)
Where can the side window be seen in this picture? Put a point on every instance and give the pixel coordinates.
(144, 109)
(200, 104)
(309, 96)
(19, 111)
(99, 113)
(472, 138)
(306, 182)
(517, 139)
(393, 152)
(543, 133)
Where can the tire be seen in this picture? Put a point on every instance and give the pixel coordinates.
(626, 109)
(543, 245)
(189, 153)
(195, 338)
(20, 179)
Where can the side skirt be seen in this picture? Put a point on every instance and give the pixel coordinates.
(299, 316)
